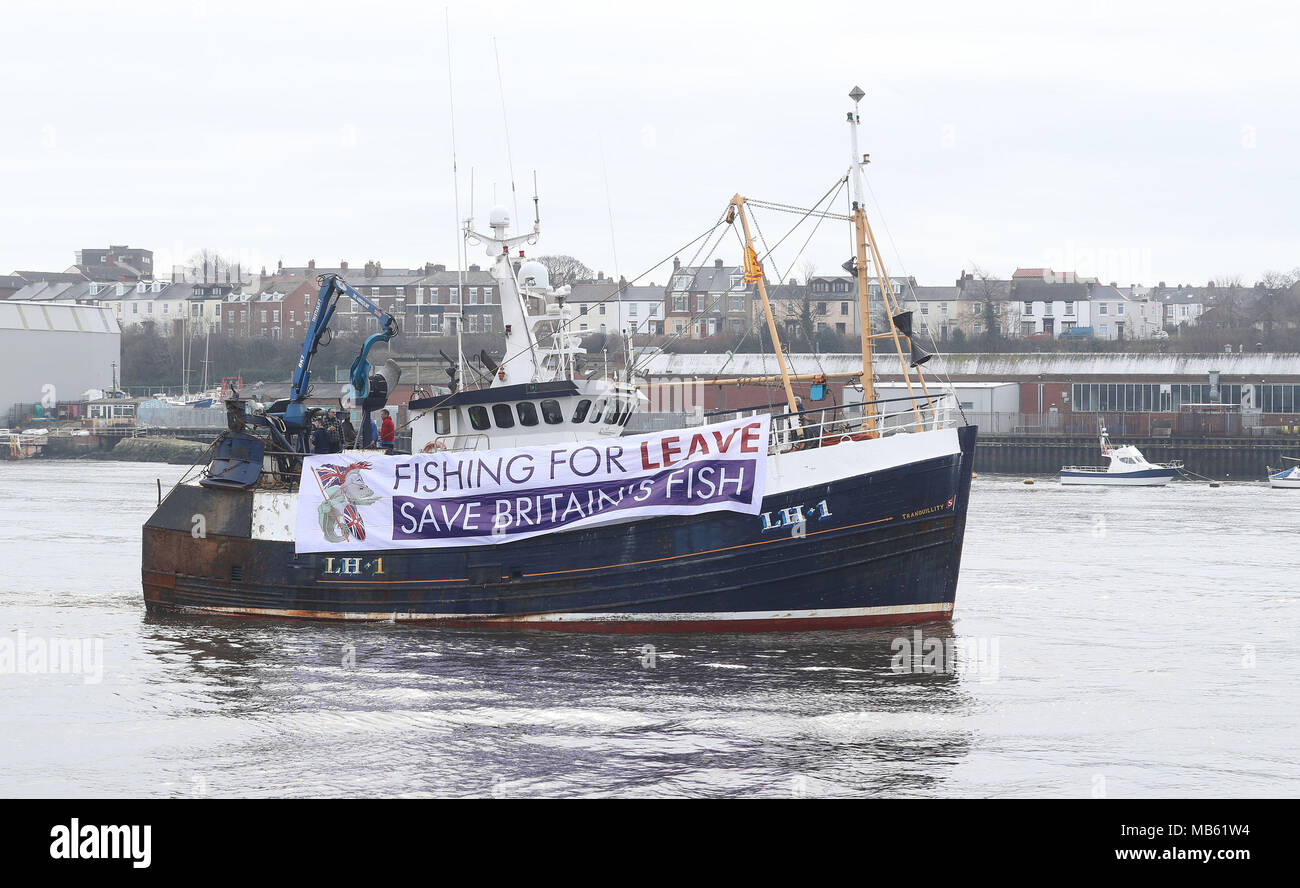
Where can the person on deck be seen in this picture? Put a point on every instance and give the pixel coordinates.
(387, 432)
(368, 431)
(335, 427)
(320, 438)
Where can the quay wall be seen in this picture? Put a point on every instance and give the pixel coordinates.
(165, 450)
(1242, 459)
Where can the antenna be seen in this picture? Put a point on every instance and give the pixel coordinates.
(461, 254)
(856, 160)
(510, 161)
(537, 205)
(613, 244)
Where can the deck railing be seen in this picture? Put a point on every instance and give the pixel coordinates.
(839, 423)
(458, 442)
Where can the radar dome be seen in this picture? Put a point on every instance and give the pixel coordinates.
(534, 274)
(499, 217)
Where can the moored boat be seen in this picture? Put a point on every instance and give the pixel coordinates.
(1286, 478)
(523, 503)
(1127, 467)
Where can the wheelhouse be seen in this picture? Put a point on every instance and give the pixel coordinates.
(522, 415)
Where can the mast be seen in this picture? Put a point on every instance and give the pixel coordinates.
(207, 342)
(738, 203)
(866, 241)
(864, 296)
(186, 353)
(520, 339)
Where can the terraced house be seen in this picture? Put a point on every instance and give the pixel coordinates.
(608, 306)
(442, 301)
(704, 302)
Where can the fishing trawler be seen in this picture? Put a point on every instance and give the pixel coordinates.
(1127, 468)
(524, 503)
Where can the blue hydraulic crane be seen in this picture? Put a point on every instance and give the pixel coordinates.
(237, 459)
(361, 391)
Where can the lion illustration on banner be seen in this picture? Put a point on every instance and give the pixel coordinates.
(344, 491)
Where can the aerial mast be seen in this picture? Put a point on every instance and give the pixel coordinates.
(458, 380)
(859, 263)
(899, 322)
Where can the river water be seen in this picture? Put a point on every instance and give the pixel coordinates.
(1108, 642)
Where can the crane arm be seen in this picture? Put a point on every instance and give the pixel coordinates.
(333, 288)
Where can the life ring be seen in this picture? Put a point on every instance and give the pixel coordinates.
(439, 444)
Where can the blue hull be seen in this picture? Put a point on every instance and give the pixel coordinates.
(882, 548)
(1101, 477)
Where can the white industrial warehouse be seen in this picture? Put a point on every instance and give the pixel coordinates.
(55, 352)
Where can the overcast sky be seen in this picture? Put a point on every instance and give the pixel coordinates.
(1135, 141)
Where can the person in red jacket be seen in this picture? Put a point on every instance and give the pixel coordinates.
(387, 431)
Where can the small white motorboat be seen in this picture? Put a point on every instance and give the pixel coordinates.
(1287, 477)
(1128, 468)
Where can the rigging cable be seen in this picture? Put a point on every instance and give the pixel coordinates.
(768, 255)
(462, 254)
(943, 373)
(510, 160)
(613, 245)
(707, 233)
(692, 317)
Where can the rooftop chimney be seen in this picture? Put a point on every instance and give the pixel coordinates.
(717, 263)
(677, 263)
(311, 264)
(343, 265)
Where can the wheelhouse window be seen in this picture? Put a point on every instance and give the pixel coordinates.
(613, 410)
(502, 416)
(442, 421)
(478, 419)
(552, 413)
(596, 413)
(625, 411)
(580, 412)
(527, 411)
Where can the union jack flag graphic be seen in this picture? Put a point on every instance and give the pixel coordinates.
(351, 520)
(345, 515)
(331, 475)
